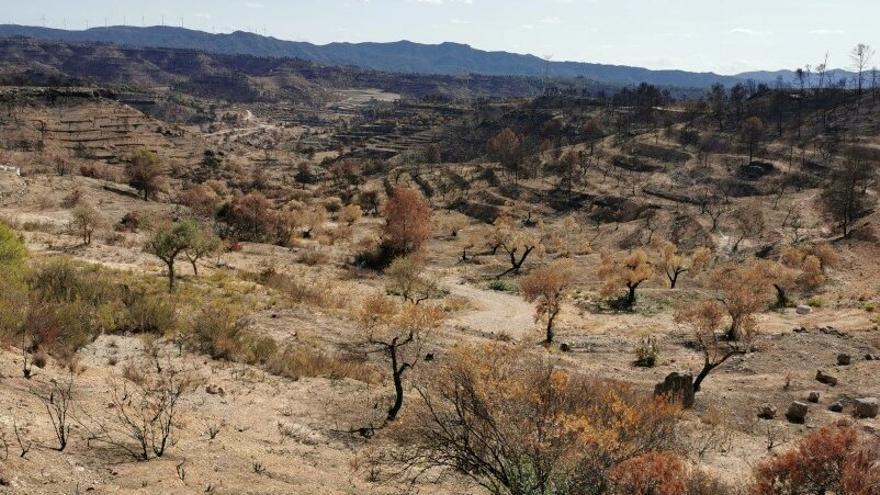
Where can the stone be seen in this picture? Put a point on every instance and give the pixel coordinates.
(800, 330)
(866, 408)
(813, 397)
(844, 359)
(837, 406)
(215, 390)
(767, 411)
(803, 309)
(564, 347)
(677, 387)
(797, 412)
(825, 378)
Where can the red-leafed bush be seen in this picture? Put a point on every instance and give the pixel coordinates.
(654, 473)
(832, 459)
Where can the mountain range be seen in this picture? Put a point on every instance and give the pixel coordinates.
(401, 56)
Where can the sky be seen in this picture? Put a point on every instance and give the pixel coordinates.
(721, 36)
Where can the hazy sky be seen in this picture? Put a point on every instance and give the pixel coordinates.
(699, 35)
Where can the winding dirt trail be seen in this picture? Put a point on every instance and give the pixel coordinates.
(495, 312)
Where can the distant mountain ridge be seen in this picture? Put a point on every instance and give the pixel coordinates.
(401, 56)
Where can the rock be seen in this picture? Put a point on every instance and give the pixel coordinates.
(564, 347)
(837, 406)
(843, 359)
(827, 379)
(767, 411)
(866, 408)
(677, 387)
(803, 309)
(215, 390)
(797, 412)
(800, 330)
(870, 357)
(833, 331)
(813, 397)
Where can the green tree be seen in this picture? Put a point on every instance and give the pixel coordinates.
(169, 240)
(12, 273)
(204, 243)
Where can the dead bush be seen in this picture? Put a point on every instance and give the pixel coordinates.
(520, 425)
(145, 415)
(833, 459)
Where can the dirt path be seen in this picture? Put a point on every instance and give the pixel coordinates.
(495, 312)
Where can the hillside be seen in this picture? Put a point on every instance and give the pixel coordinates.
(245, 275)
(402, 56)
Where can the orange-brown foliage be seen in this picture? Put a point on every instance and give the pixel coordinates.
(832, 459)
(407, 221)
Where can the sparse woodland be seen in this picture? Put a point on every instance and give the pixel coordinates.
(637, 291)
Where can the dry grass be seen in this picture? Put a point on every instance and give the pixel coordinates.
(298, 363)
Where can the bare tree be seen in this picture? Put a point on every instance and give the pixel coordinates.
(145, 415)
(398, 332)
(861, 56)
(58, 401)
(705, 320)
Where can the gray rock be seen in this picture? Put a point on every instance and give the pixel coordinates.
(677, 387)
(866, 408)
(803, 309)
(813, 397)
(844, 359)
(767, 411)
(825, 378)
(837, 406)
(797, 412)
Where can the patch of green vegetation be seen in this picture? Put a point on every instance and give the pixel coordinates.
(815, 302)
(501, 286)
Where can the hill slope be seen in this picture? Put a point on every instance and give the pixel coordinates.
(401, 56)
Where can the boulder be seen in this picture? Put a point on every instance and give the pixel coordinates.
(825, 378)
(215, 390)
(803, 309)
(837, 406)
(797, 412)
(844, 359)
(767, 411)
(677, 387)
(866, 408)
(813, 397)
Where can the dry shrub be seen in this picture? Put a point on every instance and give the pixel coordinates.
(320, 293)
(351, 214)
(201, 199)
(833, 459)
(518, 424)
(101, 172)
(296, 363)
(313, 257)
(218, 332)
(407, 221)
(653, 473)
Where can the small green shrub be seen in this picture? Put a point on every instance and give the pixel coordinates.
(816, 302)
(500, 286)
(647, 353)
(870, 307)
